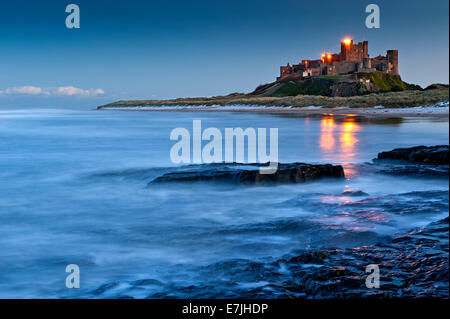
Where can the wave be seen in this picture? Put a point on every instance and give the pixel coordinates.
(313, 273)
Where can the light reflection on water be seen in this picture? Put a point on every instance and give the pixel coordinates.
(339, 137)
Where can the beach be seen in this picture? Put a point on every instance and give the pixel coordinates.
(431, 111)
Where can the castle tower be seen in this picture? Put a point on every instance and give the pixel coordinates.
(346, 47)
(367, 63)
(392, 56)
(354, 52)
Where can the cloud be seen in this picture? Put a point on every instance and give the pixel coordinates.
(56, 91)
(33, 90)
(71, 90)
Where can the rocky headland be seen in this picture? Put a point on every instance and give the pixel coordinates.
(321, 91)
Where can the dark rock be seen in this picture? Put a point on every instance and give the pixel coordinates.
(313, 257)
(408, 269)
(416, 170)
(250, 174)
(346, 89)
(355, 193)
(435, 86)
(432, 155)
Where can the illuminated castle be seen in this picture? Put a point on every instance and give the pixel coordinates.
(353, 58)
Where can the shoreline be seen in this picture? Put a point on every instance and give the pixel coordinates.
(435, 112)
(408, 103)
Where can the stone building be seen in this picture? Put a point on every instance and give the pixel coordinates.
(353, 58)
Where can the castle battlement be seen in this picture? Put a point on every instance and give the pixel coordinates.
(353, 58)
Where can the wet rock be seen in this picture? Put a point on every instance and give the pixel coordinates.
(250, 174)
(314, 257)
(414, 264)
(415, 170)
(354, 193)
(408, 269)
(418, 161)
(433, 155)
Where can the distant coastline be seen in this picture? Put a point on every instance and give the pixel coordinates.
(377, 104)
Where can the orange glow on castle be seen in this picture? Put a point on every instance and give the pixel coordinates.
(353, 58)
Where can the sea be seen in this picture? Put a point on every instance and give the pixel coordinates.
(75, 189)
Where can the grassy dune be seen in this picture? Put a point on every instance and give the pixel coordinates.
(408, 98)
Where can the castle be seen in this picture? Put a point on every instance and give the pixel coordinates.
(353, 58)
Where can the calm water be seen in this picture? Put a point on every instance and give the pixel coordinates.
(73, 190)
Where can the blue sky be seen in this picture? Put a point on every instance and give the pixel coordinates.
(165, 49)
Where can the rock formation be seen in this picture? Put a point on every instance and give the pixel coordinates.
(250, 174)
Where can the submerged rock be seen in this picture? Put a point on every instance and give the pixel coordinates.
(412, 264)
(433, 155)
(415, 170)
(250, 173)
(415, 265)
(354, 193)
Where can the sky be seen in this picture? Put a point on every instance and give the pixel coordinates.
(162, 49)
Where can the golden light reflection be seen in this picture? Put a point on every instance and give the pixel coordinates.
(345, 132)
(348, 138)
(326, 136)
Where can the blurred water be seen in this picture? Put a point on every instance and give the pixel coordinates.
(73, 190)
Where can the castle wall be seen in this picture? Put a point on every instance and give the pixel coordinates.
(381, 65)
(385, 66)
(345, 67)
(315, 71)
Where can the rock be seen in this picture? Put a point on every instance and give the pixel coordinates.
(354, 193)
(435, 86)
(432, 155)
(344, 89)
(415, 265)
(250, 174)
(416, 170)
(310, 257)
